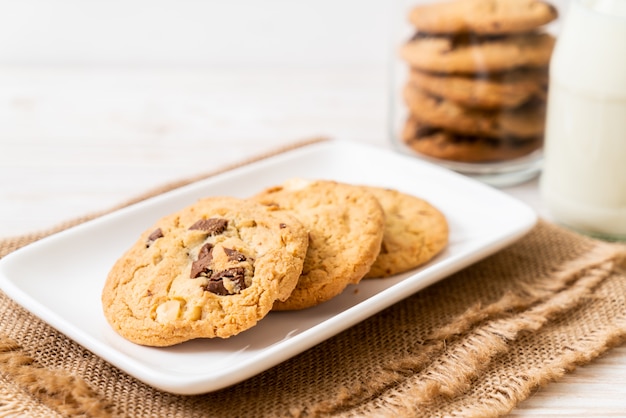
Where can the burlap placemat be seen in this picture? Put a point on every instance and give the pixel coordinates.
(472, 345)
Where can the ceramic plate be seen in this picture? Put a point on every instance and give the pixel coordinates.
(59, 278)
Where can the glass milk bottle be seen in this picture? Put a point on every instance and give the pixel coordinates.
(583, 183)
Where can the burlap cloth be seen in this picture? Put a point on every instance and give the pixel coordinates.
(474, 344)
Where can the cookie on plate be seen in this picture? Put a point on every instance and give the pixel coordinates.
(469, 55)
(212, 269)
(445, 145)
(527, 121)
(345, 224)
(415, 232)
(486, 91)
(485, 17)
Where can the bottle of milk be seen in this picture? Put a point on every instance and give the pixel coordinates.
(583, 183)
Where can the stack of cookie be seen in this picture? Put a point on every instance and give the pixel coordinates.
(217, 267)
(477, 85)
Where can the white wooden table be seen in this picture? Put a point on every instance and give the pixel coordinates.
(79, 141)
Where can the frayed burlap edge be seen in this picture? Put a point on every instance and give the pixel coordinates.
(14, 403)
(68, 395)
(473, 358)
(413, 384)
(487, 332)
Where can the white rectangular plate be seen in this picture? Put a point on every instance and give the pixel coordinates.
(59, 278)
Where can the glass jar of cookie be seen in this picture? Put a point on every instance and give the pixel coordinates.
(470, 84)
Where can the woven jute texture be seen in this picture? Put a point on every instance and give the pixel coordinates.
(473, 345)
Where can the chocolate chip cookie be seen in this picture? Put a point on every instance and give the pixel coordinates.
(486, 91)
(213, 269)
(415, 232)
(486, 17)
(345, 224)
(523, 122)
(445, 145)
(467, 54)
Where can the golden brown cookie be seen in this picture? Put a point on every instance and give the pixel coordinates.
(486, 91)
(471, 55)
(345, 224)
(486, 17)
(523, 122)
(444, 145)
(213, 269)
(415, 232)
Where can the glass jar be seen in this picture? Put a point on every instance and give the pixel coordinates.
(469, 89)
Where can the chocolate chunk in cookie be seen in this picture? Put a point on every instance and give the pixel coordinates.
(155, 235)
(212, 226)
(202, 265)
(234, 255)
(227, 282)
